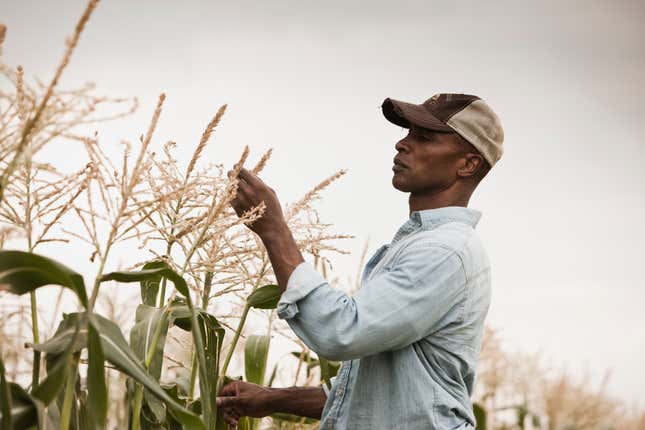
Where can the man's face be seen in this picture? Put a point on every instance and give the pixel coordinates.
(426, 161)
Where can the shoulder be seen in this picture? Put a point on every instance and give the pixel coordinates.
(455, 242)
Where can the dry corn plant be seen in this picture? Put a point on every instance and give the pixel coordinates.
(198, 258)
(519, 391)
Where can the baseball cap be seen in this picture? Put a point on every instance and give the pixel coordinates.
(468, 115)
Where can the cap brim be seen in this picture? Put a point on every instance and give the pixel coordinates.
(406, 114)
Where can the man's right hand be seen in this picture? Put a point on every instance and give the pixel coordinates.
(239, 399)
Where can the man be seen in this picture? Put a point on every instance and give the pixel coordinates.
(410, 337)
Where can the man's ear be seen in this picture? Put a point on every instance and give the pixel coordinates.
(471, 164)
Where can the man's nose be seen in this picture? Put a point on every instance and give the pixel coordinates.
(402, 145)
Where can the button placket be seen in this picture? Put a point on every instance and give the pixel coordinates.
(341, 390)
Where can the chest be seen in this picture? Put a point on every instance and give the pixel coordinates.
(382, 258)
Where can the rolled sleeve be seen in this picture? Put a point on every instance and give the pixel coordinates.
(423, 290)
(302, 281)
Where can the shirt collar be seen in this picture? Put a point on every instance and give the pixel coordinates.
(429, 219)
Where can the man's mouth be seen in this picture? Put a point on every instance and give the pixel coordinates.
(398, 165)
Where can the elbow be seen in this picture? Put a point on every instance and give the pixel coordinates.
(337, 350)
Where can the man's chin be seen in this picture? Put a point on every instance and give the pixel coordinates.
(400, 185)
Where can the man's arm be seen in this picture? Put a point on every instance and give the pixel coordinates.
(271, 227)
(239, 399)
(301, 401)
(423, 290)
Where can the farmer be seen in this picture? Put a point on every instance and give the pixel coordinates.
(410, 337)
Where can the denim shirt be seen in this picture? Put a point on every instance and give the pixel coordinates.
(409, 338)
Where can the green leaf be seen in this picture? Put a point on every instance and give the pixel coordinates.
(59, 365)
(328, 369)
(61, 340)
(97, 392)
(256, 352)
(306, 357)
(173, 390)
(148, 339)
(150, 322)
(480, 416)
(150, 286)
(210, 336)
(85, 416)
(118, 353)
(180, 384)
(206, 383)
(273, 375)
(180, 314)
(266, 297)
(208, 343)
(150, 275)
(5, 397)
(22, 272)
(24, 410)
(278, 416)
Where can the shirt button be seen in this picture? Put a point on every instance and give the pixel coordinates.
(339, 392)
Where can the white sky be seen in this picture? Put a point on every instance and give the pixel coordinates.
(562, 211)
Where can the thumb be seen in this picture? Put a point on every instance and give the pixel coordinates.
(226, 401)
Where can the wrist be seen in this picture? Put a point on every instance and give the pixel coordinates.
(277, 399)
(274, 232)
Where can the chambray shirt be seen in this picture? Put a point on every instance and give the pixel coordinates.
(409, 338)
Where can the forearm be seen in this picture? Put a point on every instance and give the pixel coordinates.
(300, 401)
(283, 253)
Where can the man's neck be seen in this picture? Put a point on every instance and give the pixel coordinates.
(419, 202)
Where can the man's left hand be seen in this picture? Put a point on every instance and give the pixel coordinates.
(251, 192)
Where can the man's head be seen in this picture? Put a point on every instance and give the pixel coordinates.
(452, 140)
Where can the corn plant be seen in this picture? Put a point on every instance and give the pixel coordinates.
(198, 257)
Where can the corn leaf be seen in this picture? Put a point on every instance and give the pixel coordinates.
(61, 340)
(97, 392)
(22, 272)
(148, 337)
(119, 353)
(280, 417)
(150, 321)
(273, 375)
(256, 352)
(59, 365)
(265, 297)
(150, 286)
(206, 384)
(5, 398)
(24, 410)
(328, 369)
(163, 271)
(480, 416)
(212, 335)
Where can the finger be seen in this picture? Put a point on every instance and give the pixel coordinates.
(229, 418)
(241, 209)
(244, 187)
(249, 177)
(226, 402)
(233, 418)
(229, 389)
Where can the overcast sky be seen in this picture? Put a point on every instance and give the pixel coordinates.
(563, 210)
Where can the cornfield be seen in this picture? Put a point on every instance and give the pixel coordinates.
(204, 289)
(197, 256)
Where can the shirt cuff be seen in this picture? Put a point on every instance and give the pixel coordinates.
(303, 280)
